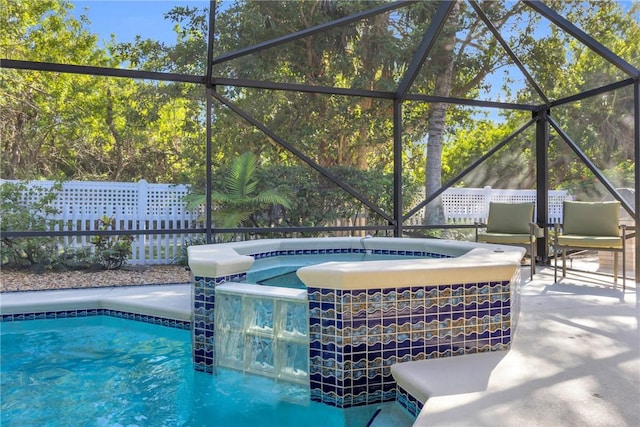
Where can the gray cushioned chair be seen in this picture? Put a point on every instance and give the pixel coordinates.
(511, 224)
(591, 226)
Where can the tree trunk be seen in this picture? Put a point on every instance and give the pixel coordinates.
(117, 151)
(434, 212)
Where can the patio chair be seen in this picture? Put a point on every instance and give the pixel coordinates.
(511, 224)
(591, 226)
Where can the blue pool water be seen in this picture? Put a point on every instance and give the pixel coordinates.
(105, 371)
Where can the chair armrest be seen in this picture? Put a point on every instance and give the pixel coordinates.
(536, 230)
(623, 230)
(557, 230)
(479, 225)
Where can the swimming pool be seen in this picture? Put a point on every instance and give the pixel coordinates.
(111, 372)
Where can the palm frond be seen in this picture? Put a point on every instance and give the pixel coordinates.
(272, 197)
(239, 181)
(194, 201)
(229, 218)
(236, 200)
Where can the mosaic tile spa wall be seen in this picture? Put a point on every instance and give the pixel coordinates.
(356, 335)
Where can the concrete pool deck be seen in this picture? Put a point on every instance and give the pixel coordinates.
(170, 301)
(574, 361)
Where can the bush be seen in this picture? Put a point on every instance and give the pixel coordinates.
(75, 258)
(111, 252)
(319, 202)
(27, 208)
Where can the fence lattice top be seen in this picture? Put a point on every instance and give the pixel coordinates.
(472, 204)
(144, 201)
(138, 200)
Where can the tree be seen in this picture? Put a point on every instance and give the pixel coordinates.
(466, 54)
(511, 167)
(64, 126)
(600, 125)
(331, 130)
(34, 105)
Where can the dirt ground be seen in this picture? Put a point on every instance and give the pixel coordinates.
(24, 280)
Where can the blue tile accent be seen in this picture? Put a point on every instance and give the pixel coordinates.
(409, 402)
(262, 255)
(203, 331)
(63, 314)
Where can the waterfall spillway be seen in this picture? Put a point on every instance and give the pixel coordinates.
(262, 334)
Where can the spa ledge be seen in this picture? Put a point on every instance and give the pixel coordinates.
(467, 262)
(480, 263)
(217, 260)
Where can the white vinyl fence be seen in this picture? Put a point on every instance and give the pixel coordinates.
(469, 205)
(143, 206)
(132, 206)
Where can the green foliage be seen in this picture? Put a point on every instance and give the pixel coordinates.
(602, 125)
(75, 259)
(512, 167)
(111, 252)
(297, 196)
(319, 202)
(623, 174)
(240, 196)
(27, 208)
(71, 126)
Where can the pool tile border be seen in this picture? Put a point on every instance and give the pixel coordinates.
(408, 401)
(271, 254)
(66, 314)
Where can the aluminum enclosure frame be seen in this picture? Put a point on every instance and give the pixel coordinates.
(541, 114)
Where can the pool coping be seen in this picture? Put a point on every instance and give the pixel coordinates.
(161, 302)
(453, 261)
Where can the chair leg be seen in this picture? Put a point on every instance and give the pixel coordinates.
(555, 262)
(624, 258)
(615, 269)
(532, 252)
(624, 273)
(564, 263)
(624, 266)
